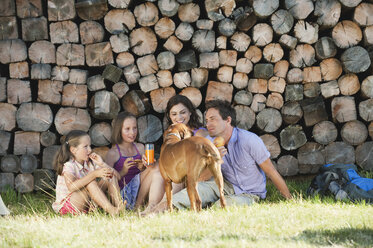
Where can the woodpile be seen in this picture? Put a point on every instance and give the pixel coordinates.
(297, 72)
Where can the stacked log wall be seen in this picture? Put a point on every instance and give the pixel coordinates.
(298, 73)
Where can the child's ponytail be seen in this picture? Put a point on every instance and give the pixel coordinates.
(63, 155)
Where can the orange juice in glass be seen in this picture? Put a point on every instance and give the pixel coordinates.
(149, 153)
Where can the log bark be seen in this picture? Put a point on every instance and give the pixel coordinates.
(24, 183)
(26, 143)
(328, 12)
(48, 138)
(28, 163)
(104, 105)
(35, 117)
(143, 41)
(339, 152)
(291, 112)
(8, 114)
(4, 142)
(346, 34)
(48, 154)
(18, 91)
(68, 119)
(302, 56)
(136, 103)
(344, 109)
(19, 70)
(42, 52)
(272, 145)
(269, 120)
(367, 87)
(287, 165)
(100, 134)
(306, 32)
(366, 110)
(325, 48)
(325, 132)
(61, 10)
(146, 14)
(310, 158)
(10, 163)
(354, 132)
(189, 12)
(313, 111)
(74, 95)
(364, 155)
(243, 97)
(258, 103)
(245, 117)
(64, 32)
(282, 21)
(99, 54)
(150, 128)
(91, 32)
(160, 97)
(165, 27)
(219, 91)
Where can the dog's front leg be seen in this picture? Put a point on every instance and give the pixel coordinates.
(168, 189)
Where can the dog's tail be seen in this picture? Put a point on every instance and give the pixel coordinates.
(211, 153)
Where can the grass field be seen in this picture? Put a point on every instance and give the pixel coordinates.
(301, 222)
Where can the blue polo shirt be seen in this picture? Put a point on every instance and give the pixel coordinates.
(241, 163)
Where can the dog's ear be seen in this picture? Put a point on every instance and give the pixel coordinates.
(186, 133)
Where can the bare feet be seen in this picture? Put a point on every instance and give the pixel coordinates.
(155, 209)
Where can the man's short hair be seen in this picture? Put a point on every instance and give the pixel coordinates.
(225, 109)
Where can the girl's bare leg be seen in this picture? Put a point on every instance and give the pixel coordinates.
(99, 197)
(114, 192)
(145, 177)
(80, 200)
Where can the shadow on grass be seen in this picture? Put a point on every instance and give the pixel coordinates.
(346, 237)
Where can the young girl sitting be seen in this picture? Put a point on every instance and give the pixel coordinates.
(78, 170)
(127, 157)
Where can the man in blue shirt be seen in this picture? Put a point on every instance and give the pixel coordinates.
(246, 162)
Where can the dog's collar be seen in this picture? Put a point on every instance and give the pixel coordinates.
(176, 134)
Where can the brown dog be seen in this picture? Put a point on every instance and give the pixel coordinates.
(185, 156)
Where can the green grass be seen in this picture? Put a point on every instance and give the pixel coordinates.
(301, 222)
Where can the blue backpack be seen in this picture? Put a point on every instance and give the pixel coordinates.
(343, 181)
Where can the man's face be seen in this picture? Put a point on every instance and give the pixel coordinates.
(215, 123)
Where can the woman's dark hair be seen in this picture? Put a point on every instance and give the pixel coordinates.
(194, 121)
(225, 109)
(72, 139)
(116, 134)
